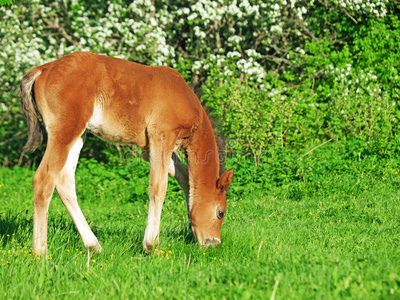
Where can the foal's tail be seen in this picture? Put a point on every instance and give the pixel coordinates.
(34, 127)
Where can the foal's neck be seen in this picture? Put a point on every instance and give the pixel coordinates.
(203, 159)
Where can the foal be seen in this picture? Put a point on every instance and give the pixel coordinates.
(122, 102)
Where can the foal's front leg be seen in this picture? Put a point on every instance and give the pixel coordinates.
(157, 190)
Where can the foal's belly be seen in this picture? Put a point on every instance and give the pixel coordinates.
(123, 128)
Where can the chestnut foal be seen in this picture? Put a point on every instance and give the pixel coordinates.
(122, 102)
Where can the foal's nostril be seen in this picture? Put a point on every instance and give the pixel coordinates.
(212, 242)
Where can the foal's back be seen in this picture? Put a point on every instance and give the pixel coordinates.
(116, 100)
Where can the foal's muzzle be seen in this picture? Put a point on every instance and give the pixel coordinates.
(213, 242)
(207, 242)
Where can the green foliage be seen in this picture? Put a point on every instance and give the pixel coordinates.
(345, 95)
(5, 2)
(281, 52)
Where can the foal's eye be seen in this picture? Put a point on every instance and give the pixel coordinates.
(220, 214)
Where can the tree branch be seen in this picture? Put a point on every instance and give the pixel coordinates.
(54, 24)
(217, 35)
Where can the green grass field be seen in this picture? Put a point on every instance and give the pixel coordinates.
(331, 233)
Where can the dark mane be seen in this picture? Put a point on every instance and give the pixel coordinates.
(220, 139)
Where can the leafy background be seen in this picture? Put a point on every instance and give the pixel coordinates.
(278, 75)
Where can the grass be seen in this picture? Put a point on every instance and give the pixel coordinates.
(332, 233)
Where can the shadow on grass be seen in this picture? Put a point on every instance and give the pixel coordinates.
(133, 242)
(12, 223)
(183, 233)
(118, 236)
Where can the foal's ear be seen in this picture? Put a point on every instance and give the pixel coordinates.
(225, 180)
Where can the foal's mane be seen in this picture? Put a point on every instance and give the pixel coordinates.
(220, 138)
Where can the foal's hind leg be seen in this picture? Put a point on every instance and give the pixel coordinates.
(44, 182)
(65, 186)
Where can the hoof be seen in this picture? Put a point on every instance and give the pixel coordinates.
(148, 247)
(94, 248)
(39, 250)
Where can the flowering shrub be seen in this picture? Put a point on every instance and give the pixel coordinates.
(210, 42)
(343, 96)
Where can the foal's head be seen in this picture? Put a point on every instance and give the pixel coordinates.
(207, 213)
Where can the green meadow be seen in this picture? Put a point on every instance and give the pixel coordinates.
(331, 233)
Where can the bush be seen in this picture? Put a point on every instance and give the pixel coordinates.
(346, 95)
(276, 60)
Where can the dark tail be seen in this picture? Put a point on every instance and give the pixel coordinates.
(35, 130)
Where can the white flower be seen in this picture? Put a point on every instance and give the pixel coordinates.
(192, 16)
(3, 107)
(140, 47)
(276, 28)
(228, 73)
(253, 53)
(196, 66)
(233, 54)
(235, 39)
(199, 33)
